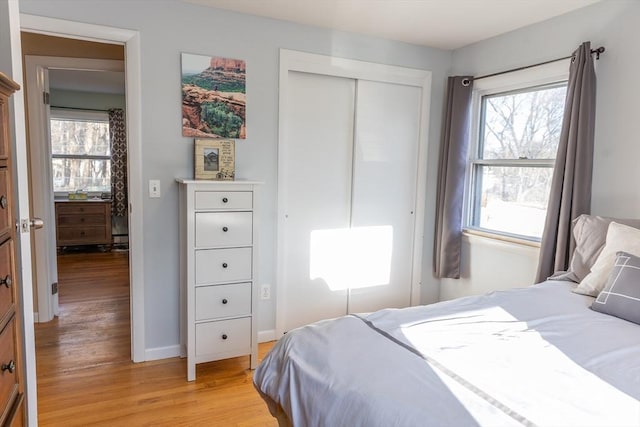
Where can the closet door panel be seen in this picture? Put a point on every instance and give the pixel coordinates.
(316, 172)
(384, 193)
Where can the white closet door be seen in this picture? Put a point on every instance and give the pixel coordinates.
(384, 193)
(315, 165)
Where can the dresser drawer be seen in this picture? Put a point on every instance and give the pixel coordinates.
(83, 235)
(219, 229)
(223, 200)
(5, 206)
(7, 295)
(8, 377)
(80, 208)
(223, 337)
(222, 265)
(81, 219)
(218, 301)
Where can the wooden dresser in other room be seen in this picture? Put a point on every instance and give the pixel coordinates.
(12, 399)
(86, 222)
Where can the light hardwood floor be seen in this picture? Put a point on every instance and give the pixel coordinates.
(84, 372)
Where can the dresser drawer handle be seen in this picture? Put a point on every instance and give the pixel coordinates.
(4, 202)
(225, 200)
(224, 301)
(225, 265)
(225, 229)
(82, 233)
(81, 219)
(224, 336)
(6, 281)
(11, 366)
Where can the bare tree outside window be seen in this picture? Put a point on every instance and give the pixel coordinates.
(81, 154)
(519, 133)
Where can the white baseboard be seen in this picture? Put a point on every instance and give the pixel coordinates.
(266, 336)
(162, 352)
(35, 317)
(174, 350)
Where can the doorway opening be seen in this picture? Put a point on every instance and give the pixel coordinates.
(78, 164)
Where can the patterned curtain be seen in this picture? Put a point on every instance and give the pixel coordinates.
(118, 133)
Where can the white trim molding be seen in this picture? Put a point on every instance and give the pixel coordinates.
(162, 352)
(266, 336)
(133, 77)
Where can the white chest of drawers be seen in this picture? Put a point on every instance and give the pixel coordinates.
(218, 292)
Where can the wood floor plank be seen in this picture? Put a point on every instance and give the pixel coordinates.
(85, 376)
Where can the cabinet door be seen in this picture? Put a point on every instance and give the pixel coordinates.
(316, 195)
(384, 195)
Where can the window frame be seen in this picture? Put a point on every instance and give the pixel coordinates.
(513, 82)
(79, 115)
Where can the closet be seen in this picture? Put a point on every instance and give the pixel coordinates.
(351, 187)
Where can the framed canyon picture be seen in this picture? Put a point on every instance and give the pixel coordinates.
(213, 97)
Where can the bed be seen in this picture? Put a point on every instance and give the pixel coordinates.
(538, 355)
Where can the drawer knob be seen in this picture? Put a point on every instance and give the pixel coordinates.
(6, 281)
(82, 233)
(11, 366)
(225, 265)
(225, 200)
(225, 229)
(4, 202)
(224, 301)
(224, 336)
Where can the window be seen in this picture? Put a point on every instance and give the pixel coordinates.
(80, 151)
(512, 161)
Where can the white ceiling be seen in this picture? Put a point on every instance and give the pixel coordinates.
(111, 82)
(445, 24)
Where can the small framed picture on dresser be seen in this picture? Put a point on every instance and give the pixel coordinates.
(214, 159)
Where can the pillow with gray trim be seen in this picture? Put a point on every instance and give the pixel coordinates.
(589, 234)
(621, 295)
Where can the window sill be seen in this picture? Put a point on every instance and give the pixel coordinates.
(501, 237)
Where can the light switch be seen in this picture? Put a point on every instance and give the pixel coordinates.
(154, 188)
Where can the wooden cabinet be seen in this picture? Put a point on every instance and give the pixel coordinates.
(11, 342)
(218, 238)
(85, 222)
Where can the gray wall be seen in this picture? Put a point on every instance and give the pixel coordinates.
(170, 27)
(615, 25)
(84, 100)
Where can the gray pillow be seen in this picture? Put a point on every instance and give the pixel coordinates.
(589, 234)
(621, 295)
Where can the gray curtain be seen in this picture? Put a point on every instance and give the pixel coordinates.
(454, 146)
(118, 134)
(571, 185)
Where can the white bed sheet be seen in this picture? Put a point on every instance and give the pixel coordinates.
(530, 356)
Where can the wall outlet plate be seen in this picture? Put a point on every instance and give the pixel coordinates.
(265, 291)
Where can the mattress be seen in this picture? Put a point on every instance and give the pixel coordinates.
(529, 356)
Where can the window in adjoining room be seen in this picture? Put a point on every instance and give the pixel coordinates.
(511, 164)
(80, 151)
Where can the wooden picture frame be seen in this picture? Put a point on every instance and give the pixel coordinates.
(214, 159)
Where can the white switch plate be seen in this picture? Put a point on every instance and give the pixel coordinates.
(154, 188)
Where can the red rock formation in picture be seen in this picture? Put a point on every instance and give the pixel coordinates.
(228, 64)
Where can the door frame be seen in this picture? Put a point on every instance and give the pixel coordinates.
(291, 60)
(42, 198)
(131, 40)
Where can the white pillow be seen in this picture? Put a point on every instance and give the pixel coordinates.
(619, 238)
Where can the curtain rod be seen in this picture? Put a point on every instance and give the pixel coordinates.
(597, 52)
(79, 109)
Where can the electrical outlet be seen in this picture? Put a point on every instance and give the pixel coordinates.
(265, 291)
(154, 188)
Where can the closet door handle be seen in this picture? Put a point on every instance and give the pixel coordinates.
(4, 202)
